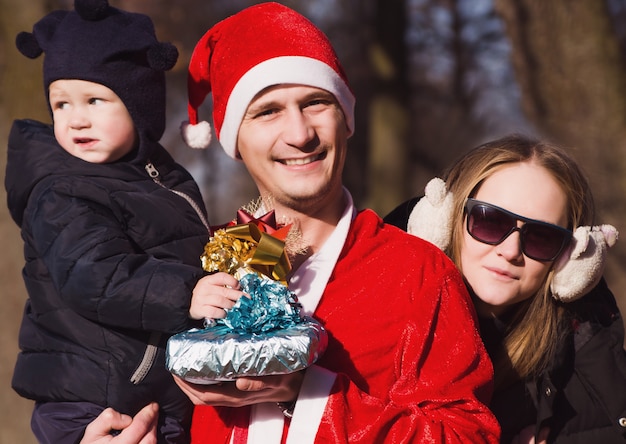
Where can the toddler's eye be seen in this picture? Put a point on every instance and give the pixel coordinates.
(59, 105)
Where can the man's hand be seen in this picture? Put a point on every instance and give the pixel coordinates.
(244, 391)
(138, 430)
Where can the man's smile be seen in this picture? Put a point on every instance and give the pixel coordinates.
(304, 160)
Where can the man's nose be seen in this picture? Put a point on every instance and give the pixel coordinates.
(298, 130)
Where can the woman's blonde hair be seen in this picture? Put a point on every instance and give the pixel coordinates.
(539, 323)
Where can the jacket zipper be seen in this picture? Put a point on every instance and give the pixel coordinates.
(149, 355)
(154, 174)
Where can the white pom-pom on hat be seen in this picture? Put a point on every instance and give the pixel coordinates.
(196, 136)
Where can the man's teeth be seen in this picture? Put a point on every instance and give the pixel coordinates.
(304, 161)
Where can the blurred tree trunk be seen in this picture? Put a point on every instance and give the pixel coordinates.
(21, 96)
(388, 162)
(572, 73)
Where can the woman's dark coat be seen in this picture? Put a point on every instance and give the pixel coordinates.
(582, 397)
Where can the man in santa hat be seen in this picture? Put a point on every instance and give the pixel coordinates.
(404, 361)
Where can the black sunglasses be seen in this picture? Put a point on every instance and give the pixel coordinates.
(491, 225)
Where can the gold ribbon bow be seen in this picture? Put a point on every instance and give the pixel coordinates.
(255, 244)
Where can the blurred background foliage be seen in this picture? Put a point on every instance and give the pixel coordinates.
(433, 78)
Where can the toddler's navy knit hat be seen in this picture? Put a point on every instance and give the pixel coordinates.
(102, 44)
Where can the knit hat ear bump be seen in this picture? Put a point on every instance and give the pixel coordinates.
(91, 9)
(162, 56)
(27, 44)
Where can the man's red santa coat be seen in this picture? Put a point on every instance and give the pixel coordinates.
(408, 363)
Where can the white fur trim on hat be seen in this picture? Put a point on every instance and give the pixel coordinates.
(281, 70)
(431, 218)
(579, 271)
(196, 136)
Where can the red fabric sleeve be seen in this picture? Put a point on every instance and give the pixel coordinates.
(410, 362)
(443, 380)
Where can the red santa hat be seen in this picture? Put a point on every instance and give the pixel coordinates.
(263, 45)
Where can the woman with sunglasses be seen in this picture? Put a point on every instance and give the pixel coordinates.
(507, 215)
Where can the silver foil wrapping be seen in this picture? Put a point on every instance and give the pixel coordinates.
(215, 354)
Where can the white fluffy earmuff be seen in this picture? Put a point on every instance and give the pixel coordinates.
(579, 271)
(431, 218)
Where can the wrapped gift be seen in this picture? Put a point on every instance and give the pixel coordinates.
(262, 335)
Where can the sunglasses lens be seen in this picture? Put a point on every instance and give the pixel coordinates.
(542, 242)
(489, 225)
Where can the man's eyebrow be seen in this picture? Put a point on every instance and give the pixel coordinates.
(262, 105)
(320, 94)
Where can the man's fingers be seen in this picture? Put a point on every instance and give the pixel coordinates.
(250, 385)
(99, 430)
